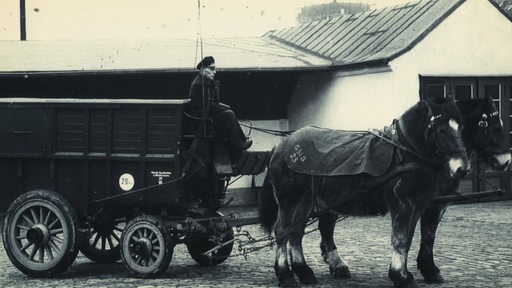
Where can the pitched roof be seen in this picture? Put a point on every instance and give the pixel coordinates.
(375, 35)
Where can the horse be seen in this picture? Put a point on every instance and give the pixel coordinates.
(425, 139)
(483, 134)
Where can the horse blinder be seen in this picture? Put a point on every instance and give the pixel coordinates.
(451, 151)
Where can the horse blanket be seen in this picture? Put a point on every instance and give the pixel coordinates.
(327, 152)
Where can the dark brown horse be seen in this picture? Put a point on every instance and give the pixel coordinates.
(483, 134)
(424, 140)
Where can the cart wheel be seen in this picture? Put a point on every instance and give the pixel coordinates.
(200, 243)
(146, 247)
(39, 233)
(103, 245)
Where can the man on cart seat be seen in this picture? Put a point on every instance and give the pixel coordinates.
(205, 103)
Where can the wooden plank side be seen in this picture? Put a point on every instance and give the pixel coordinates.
(70, 130)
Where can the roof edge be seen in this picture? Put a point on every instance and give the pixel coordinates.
(495, 3)
(427, 31)
(151, 71)
(355, 65)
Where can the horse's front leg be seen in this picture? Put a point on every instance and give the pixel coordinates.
(337, 267)
(403, 226)
(404, 206)
(425, 261)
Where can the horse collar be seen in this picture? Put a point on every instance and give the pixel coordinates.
(416, 150)
(403, 131)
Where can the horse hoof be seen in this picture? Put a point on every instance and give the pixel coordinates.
(308, 279)
(341, 273)
(288, 283)
(408, 284)
(433, 279)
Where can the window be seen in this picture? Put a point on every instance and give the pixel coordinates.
(433, 88)
(462, 88)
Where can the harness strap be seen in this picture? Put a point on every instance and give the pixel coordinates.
(402, 147)
(313, 192)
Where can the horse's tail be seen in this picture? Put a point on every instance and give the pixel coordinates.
(268, 208)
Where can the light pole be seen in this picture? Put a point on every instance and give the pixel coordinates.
(23, 21)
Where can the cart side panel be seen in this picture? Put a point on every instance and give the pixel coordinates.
(25, 132)
(88, 150)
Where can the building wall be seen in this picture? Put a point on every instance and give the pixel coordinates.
(358, 102)
(461, 45)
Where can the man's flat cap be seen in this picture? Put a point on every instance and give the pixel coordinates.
(207, 61)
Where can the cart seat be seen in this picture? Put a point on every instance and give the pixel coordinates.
(251, 163)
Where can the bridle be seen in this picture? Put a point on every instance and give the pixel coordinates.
(483, 124)
(417, 150)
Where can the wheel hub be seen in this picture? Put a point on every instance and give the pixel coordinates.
(143, 247)
(103, 227)
(39, 234)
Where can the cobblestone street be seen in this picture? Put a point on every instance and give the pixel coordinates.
(473, 249)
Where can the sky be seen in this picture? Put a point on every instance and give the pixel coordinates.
(150, 19)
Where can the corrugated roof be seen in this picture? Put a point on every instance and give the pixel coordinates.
(505, 6)
(370, 36)
(378, 35)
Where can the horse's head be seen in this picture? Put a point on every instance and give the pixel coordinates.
(483, 132)
(434, 127)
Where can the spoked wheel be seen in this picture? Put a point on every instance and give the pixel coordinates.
(104, 241)
(146, 247)
(39, 233)
(199, 243)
